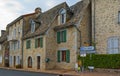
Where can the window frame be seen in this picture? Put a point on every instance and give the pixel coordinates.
(62, 35)
(111, 46)
(28, 42)
(62, 14)
(118, 17)
(32, 23)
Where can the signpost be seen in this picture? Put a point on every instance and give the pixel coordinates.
(84, 50)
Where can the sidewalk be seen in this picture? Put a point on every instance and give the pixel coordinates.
(71, 73)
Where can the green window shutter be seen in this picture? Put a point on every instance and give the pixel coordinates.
(67, 56)
(58, 56)
(64, 35)
(36, 43)
(58, 37)
(41, 42)
(29, 43)
(26, 44)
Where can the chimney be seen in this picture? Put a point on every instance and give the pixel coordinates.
(2, 32)
(38, 11)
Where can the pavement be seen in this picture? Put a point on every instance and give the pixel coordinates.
(71, 72)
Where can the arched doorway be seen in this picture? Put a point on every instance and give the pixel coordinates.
(29, 62)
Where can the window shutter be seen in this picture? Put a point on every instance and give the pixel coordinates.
(41, 42)
(29, 43)
(58, 56)
(67, 56)
(36, 43)
(58, 37)
(65, 36)
(26, 44)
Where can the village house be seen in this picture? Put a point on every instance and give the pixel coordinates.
(4, 49)
(55, 37)
(106, 25)
(52, 39)
(16, 31)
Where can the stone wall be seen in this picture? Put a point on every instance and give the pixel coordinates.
(105, 19)
(18, 52)
(34, 52)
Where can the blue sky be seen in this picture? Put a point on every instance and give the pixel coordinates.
(11, 9)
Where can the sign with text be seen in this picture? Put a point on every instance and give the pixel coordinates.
(88, 48)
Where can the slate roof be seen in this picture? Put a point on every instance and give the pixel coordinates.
(19, 18)
(47, 17)
(3, 38)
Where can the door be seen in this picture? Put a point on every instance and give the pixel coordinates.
(38, 62)
(14, 60)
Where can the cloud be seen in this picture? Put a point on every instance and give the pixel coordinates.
(9, 11)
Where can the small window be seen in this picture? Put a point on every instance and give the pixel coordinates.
(62, 16)
(39, 42)
(113, 45)
(0, 47)
(63, 56)
(119, 17)
(32, 26)
(61, 36)
(28, 44)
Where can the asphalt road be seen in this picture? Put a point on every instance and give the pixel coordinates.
(4, 72)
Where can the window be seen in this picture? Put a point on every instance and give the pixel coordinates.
(14, 32)
(63, 56)
(28, 44)
(62, 16)
(113, 45)
(39, 42)
(0, 47)
(32, 26)
(29, 62)
(119, 17)
(61, 36)
(18, 44)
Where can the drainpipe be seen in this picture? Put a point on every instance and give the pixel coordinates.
(22, 41)
(94, 22)
(80, 34)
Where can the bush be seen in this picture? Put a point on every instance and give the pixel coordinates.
(107, 61)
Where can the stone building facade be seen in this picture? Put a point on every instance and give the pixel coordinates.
(57, 35)
(16, 31)
(4, 49)
(106, 25)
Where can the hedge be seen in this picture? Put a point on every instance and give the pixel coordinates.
(107, 61)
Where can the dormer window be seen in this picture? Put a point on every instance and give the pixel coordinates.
(32, 26)
(62, 16)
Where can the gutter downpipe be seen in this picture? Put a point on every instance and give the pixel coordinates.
(22, 41)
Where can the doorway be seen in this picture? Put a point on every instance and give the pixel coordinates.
(38, 62)
(14, 60)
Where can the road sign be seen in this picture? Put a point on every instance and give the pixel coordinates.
(84, 48)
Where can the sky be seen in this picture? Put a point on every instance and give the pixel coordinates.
(11, 9)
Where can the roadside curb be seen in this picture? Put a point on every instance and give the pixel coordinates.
(47, 72)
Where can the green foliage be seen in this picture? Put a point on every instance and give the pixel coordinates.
(107, 61)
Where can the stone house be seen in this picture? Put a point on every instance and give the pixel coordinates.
(16, 31)
(55, 37)
(106, 25)
(4, 52)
